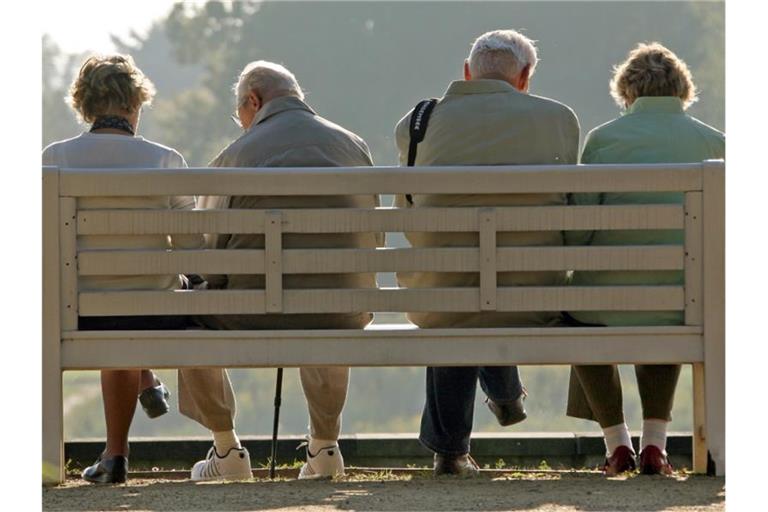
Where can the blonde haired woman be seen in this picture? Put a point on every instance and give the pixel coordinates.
(108, 94)
(655, 88)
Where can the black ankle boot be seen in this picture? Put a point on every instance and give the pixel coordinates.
(154, 400)
(113, 470)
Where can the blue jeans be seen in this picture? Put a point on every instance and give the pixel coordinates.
(446, 424)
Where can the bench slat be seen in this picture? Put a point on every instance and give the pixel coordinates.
(332, 261)
(118, 263)
(178, 302)
(352, 220)
(570, 298)
(384, 180)
(411, 347)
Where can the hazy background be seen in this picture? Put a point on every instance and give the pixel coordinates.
(363, 65)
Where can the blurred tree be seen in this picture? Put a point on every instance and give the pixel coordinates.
(194, 123)
(709, 65)
(59, 122)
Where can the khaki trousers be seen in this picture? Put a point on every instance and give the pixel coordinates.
(595, 392)
(206, 396)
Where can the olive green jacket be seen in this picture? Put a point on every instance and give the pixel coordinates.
(653, 130)
(488, 122)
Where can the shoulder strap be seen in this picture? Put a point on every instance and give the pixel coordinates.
(417, 130)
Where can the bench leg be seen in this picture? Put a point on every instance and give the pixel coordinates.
(699, 421)
(53, 428)
(53, 414)
(713, 195)
(714, 379)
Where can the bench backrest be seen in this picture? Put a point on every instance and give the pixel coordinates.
(64, 186)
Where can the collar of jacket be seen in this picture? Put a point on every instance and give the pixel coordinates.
(281, 104)
(656, 104)
(480, 86)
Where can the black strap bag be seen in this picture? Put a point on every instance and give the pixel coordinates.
(417, 131)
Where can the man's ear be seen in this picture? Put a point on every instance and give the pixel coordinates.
(254, 99)
(467, 73)
(524, 79)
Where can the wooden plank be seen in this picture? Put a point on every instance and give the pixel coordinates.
(699, 421)
(68, 262)
(53, 418)
(714, 309)
(599, 298)
(388, 331)
(333, 261)
(172, 302)
(384, 180)
(570, 298)
(487, 221)
(160, 262)
(352, 347)
(163, 222)
(551, 298)
(273, 261)
(694, 301)
(465, 259)
(638, 257)
(605, 217)
(519, 218)
(353, 220)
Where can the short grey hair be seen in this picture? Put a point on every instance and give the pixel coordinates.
(502, 53)
(268, 79)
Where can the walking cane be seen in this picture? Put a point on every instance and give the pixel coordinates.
(278, 393)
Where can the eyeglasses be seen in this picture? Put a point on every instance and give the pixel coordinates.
(236, 116)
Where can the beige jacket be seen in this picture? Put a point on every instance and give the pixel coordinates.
(288, 133)
(488, 122)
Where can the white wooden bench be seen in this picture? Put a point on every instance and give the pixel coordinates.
(701, 341)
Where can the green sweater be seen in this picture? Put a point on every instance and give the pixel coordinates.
(653, 130)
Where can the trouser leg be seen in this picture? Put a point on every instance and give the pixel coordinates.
(595, 394)
(501, 383)
(325, 390)
(206, 396)
(657, 384)
(446, 424)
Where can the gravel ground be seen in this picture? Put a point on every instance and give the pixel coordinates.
(515, 491)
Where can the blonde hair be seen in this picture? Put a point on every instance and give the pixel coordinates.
(109, 84)
(651, 69)
(502, 53)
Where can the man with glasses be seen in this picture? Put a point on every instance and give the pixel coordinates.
(280, 130)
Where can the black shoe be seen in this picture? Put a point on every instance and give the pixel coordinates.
(113, 470)
(460, 465)
(509, 412)
(154, 400)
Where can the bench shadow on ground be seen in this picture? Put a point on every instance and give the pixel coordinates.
(566, 492)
